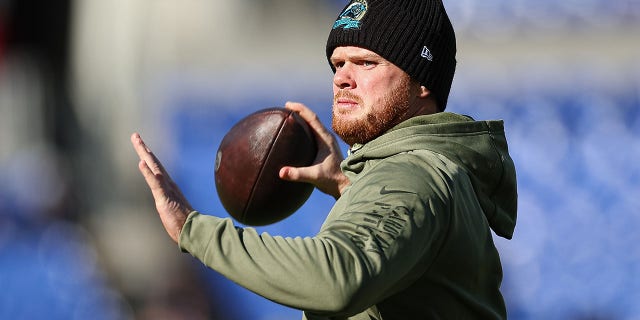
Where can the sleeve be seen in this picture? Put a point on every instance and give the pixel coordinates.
(380, 236)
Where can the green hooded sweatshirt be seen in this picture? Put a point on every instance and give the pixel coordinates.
(410, 238)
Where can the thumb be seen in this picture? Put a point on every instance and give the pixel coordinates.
(286, 174)
(292, 174)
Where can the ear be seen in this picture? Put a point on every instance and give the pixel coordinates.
(423, 92)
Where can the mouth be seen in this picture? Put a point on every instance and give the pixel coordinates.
(346, 108)
(345, 102)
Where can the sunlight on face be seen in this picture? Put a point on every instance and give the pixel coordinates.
(387, 113)
(371, 95)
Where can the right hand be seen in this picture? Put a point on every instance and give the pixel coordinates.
(325, 171)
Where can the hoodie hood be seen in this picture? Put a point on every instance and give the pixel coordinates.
(478, 146)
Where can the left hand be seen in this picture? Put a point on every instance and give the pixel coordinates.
(171, 204)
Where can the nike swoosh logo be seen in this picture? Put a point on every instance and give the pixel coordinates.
(384, 190)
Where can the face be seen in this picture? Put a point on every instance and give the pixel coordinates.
(371, 95)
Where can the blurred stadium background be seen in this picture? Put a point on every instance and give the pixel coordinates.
(79, 238)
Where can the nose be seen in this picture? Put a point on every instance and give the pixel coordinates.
(343, 78)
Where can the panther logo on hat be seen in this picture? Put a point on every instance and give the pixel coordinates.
(351, 16)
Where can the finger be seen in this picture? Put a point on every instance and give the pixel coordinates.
(299, 174)
(141, 148)
(151, 168)
(312, 119)
(146, 155)
(151, 179)
(287, 174)
(155, 182)
(306, 113)
(295, 106)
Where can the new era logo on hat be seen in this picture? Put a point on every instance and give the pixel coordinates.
(426, 53)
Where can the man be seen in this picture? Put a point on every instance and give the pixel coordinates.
(409, 236)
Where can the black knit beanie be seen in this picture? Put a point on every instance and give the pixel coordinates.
(415, 35)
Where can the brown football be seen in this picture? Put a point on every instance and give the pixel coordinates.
(249, 159)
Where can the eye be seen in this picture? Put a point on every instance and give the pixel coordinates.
(368, 63)
(338, 64)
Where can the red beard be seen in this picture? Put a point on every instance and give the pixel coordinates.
(373, 124)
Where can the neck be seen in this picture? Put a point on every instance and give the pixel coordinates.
(428, 106)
